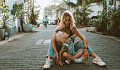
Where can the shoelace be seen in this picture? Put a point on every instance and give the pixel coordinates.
(68, 61)
(99, 59)
(47, 62)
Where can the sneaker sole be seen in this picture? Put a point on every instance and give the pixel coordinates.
(98, 64)
(48, 68)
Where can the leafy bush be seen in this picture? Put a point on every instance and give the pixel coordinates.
(114, 25)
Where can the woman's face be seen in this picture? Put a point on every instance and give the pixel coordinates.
(67, 21)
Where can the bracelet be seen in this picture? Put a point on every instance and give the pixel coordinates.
(85, 47)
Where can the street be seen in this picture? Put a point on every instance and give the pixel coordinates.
(29, 52)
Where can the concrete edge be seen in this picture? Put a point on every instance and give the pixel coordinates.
(105, 35)
(13, 38)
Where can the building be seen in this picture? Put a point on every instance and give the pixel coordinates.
(113, 4)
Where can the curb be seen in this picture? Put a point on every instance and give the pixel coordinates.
(103, 34)
(13, 38)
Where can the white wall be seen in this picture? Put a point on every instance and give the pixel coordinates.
(117, 4)
(95, 8)
(74, 1)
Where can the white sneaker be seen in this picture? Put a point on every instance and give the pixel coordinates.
(80, 60)
(48, 64)
(68, 61)
(98, 61)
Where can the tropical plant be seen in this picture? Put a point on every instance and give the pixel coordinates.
(81, 14)
(4, 16)
(97, 23)
(114, 26)
(18, 13)
(33, 16)
(70, 4)
(17, 10)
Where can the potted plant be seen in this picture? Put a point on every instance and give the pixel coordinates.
(18, 12)
(4, 21)
(32, 20)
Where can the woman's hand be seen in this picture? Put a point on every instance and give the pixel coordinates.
(57, 58)
(86, 54)
(60, 63)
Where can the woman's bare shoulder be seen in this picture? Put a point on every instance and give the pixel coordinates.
(58, 29)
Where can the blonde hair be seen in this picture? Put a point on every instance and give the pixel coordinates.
(63, 16)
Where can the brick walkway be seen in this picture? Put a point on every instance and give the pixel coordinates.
(29, 52)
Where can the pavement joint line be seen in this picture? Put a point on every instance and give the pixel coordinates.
(47, 41)
(40, 41)
(12, 38)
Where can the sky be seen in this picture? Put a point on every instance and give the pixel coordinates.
(44, 3)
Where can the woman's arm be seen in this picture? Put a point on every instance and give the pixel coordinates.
(54, 45)
(53, 42)
(86, 54)
(81, 37)
(60, 55)
(74, 35)
(77, 33)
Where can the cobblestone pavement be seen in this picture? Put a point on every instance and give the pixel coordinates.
(29, 52)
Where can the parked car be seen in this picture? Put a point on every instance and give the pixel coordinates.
(51, 22)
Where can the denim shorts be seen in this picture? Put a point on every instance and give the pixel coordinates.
(80, 45)
(77, 47)
(71, 50)
(51, 50)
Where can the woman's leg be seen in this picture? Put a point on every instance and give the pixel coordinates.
(72, 58)
(93, 55)
(78, 54)
(96, 60)
(80, 45)
(49, 61)
(68, 56)
(50, 52)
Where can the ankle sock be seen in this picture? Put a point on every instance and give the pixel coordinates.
(76, 60)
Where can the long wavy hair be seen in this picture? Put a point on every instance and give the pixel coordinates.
(62, 22)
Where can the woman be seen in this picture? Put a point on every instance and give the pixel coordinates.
(66, 25)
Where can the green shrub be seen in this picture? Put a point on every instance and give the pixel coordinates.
(114, 25)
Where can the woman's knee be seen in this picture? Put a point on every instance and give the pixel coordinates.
(65, 54)
(81, 52)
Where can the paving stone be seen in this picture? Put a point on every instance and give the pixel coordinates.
(47, 41)
(39, 41)
(29, 52)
